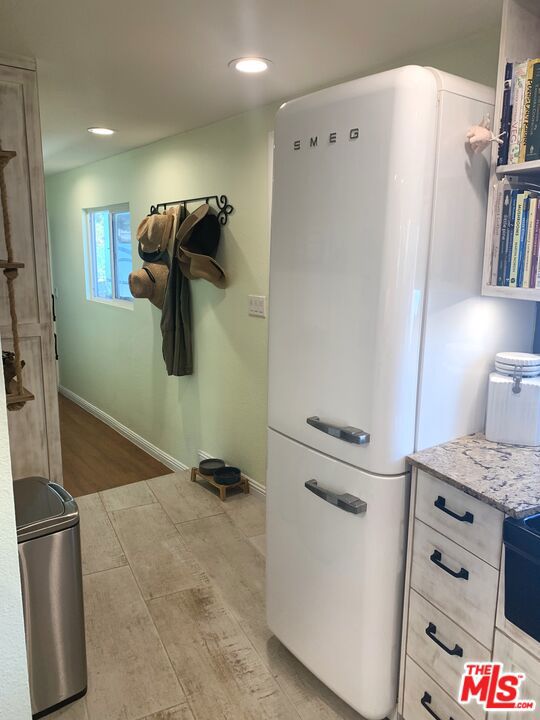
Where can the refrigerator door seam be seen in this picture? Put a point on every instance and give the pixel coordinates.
(406, 471)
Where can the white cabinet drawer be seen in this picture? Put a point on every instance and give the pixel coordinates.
(468, 521)
(516, 659)
(424, 699)
(441, 648)
(456, 581)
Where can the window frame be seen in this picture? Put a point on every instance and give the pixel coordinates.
(90, 255)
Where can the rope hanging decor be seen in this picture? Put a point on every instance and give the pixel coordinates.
(11, 269)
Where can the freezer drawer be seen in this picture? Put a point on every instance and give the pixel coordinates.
(335, 571)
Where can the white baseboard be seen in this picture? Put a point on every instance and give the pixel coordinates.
(163, 457)
(257, 487)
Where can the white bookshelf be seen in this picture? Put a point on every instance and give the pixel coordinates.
(528, 169)
(520, 39)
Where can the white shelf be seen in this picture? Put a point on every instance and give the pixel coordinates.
(527, 168)
(532, 294)
(520, 39)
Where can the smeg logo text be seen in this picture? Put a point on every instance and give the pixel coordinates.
(354, 134)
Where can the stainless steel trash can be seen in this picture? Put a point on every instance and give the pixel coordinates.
(50, 562)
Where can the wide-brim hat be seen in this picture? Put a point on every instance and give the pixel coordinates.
(153, 235)
(198, 240)
(150, 282)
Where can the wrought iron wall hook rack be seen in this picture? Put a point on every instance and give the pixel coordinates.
(221, 201)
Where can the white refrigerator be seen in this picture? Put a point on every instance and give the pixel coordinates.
(380, 344)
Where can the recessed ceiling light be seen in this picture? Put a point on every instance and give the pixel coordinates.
(101, 131)
(250, 64)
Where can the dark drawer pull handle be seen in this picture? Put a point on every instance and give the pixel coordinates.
(426, 702)
(343, 501)
(440, 503)
(436, 558)
(348, 433)
(430, 632)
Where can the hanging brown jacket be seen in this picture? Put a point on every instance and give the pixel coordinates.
(176, 325)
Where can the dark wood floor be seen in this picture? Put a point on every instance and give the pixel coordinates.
(95, 457)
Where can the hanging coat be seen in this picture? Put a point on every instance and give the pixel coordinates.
(176, 319)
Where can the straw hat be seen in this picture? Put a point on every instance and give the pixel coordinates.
(198, 240)
(153, 235)
(150, 282)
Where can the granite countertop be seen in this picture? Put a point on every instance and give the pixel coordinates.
(505, 476)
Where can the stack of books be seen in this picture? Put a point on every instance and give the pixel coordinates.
(520, 118)
(516, 235)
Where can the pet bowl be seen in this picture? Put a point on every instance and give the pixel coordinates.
(227, 475)
(209, 467)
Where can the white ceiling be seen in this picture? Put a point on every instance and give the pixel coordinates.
(155, 68)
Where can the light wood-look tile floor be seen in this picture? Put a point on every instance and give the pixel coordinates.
(175, 618)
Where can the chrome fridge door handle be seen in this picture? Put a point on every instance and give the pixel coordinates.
(343, 501)
(342, 432)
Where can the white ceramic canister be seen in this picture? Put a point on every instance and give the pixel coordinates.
(513, 408)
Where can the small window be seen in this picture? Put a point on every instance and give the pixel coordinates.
(108, 254)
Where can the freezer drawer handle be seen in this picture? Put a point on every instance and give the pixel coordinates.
(426, 702)
(347, 432)
(344, 501)
(436, 558)
(440, 503)
(431, 633)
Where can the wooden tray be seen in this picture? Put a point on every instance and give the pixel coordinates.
(6, 156)
(242, 483)
(5, 265)
(14, 398)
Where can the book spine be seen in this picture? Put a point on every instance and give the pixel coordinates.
(504, 237)
(533, 133)
(535, 281)
(510, 237)
(506, 116)
(496, 237)
(524, 224)
(515, 241)
(526, 109)
(518, 93)
(526, 277)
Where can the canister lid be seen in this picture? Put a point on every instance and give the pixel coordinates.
(507, 362)
(42, 507)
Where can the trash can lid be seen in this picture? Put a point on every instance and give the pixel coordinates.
(42, 507)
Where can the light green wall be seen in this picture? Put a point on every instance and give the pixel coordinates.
(112, 357)
(474, 57)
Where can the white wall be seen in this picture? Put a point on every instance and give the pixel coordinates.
(14, 692)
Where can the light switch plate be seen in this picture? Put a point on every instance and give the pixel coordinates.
(257, 305)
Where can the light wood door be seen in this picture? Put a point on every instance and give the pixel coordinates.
(34, 430)
(517, 660)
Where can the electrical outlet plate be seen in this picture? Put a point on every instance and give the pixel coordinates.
(257, 305)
